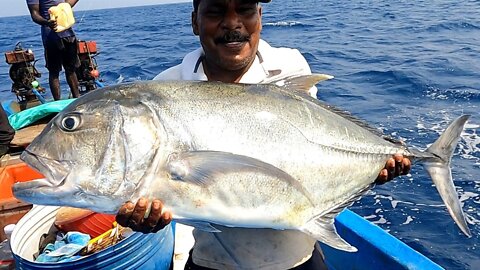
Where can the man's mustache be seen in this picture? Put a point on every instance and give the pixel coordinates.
(232, 36)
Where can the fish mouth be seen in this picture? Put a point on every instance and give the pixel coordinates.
(55, 171)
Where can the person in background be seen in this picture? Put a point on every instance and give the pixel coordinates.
(60, 48)
(232, 52)
(6, 132)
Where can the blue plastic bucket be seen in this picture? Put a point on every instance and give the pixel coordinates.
(138, 251)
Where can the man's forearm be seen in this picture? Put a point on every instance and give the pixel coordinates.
(35, 14)
(39, 19)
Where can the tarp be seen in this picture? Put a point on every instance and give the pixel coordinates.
(30, 116)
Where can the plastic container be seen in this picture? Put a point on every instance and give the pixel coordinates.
(12, 174)
(138, 251)
(11, 209)
(8, 229)
(63, 14)
(84, 221)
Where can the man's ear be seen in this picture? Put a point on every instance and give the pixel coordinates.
(260, 16)
(195, 24)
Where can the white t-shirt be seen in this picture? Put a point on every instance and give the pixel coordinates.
(240, 248)
(269, 64)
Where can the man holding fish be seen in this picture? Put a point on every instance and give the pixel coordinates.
(232, 52)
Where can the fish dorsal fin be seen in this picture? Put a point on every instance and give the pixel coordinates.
(360, 122)
(321, 227)
(202, 168)
(302, 83)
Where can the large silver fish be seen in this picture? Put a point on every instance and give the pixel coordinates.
(255, 156)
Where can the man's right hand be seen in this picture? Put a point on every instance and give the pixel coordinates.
(52, 24)
(133, 216)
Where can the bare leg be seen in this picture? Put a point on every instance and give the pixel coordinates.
(54, 83)
(73, 83)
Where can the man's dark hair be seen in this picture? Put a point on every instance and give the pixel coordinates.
(197, 2)
(195, 5)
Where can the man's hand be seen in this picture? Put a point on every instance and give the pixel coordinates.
(52, 24)
(133, 216)
(395, 166)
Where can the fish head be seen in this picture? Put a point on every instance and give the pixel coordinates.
(93, 155)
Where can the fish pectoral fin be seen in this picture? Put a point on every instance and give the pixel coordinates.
(201, 225)
(203, 167)
(323, 229)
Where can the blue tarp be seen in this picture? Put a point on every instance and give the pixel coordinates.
(29, 116)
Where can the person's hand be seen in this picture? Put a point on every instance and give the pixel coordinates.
(133, 216)
(52, 24)
(395, 166)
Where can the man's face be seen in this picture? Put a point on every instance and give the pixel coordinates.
(229, 31)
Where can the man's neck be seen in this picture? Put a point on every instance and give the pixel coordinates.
(216, 73)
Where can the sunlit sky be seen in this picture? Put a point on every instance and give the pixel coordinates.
(19, 7)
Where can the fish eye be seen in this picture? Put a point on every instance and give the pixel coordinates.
(70, 122)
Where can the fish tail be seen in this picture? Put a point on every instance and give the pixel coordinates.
(438, 167)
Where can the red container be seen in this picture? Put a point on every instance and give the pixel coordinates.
(87, 47)
(14, 57)
(12, 174)
(11, 209)
(84, 221)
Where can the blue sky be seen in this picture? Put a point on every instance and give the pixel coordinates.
(19, 7)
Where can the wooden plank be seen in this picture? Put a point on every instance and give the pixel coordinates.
(13, 204)
(25, 136)
(11, 211)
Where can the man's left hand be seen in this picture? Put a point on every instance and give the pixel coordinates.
(395, 166)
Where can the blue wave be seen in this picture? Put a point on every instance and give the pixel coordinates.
(408, 82)
(285, 24)
(452, 26)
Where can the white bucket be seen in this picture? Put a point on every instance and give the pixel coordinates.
(29, 229)
(138, 251)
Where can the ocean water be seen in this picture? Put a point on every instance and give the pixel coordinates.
(406, 67)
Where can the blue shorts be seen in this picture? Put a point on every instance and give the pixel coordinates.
(61, 52)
